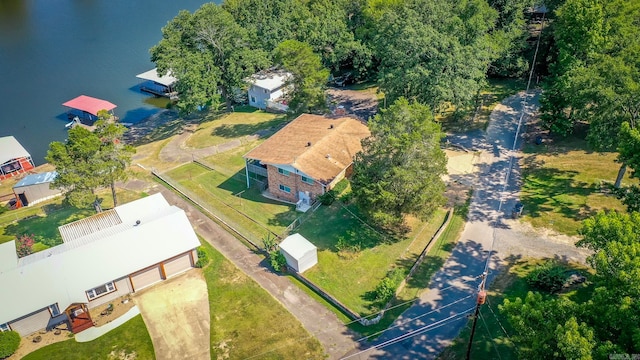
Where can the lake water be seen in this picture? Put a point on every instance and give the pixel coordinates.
(54, 50)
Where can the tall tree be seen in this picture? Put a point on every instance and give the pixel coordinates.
(114, 154)
(88, 161)
(399, 170)
(209, 54)
(434, 51)
(309, 76)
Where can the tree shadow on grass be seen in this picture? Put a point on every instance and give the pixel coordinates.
(552, 190)
(262, 129)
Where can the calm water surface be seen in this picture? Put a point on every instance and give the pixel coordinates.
(54, 50)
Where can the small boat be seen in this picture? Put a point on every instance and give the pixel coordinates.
(72, 123)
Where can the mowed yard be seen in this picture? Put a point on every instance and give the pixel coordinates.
(563, 184)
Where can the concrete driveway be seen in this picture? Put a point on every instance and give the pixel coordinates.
(176, 313)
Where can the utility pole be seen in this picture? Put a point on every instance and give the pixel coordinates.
(482, 296)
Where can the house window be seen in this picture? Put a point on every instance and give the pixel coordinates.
(101, 290)
(253, 99)
(285, 189)
(266, 91)
(283, 172)
(307, 180)
(5, 327)
(55, 311)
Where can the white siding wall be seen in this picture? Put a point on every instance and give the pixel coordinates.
(123, 287)
(260, 95)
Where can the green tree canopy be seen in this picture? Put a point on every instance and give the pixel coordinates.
(561, 328)
(209, 54)
(309, 76)
(399, 170)
(88, 161)
(434, 51)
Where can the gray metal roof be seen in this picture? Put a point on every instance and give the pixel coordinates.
(37, 179)
(10, 149)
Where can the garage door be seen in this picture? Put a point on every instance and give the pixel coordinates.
(146, 278)
(178, 265)
(31, 323)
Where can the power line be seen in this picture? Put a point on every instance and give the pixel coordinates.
(491, 336)
(413, 319)
(412, 333)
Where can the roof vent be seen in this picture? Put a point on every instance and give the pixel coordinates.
(327, 156)
(309, 144)
(331, 126)
(137, 223)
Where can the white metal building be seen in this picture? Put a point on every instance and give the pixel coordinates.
(103, 257)
(301, 255)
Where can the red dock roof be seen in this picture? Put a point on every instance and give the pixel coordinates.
(89, 104)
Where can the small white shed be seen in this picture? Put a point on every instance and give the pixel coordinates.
(34, 188)
(301, 255)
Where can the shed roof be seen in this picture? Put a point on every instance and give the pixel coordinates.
(271, 80)
(63, 273)
(36, 179)
(319, 146)
(152, 75)
(89, 104)
(11, 149)
(297, 246)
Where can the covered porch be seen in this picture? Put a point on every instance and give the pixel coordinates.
(79, 317)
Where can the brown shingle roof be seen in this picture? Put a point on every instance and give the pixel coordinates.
(331, 149)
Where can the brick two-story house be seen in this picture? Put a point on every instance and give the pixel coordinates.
(307, 157)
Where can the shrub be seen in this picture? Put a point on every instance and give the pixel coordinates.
(385, 290)
(9, 342)
(24, 245)
(277, 260)
(203, 258)
(269, 243)
(3, 209)
(549, 277)
(327, 198)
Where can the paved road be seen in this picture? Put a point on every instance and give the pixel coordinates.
(441, 312)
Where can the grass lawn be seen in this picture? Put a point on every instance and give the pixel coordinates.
(250, 212)
(128, 341)
(491, 95)
(243, 122)
(246, 322)
(561, 184)
(490, 341)
(351, 274)
(44, 219)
